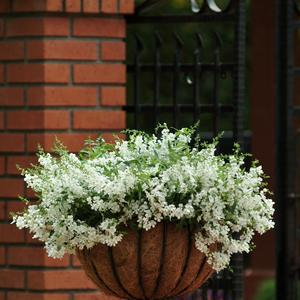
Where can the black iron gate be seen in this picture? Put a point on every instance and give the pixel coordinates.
(200, 77)
(288, 150)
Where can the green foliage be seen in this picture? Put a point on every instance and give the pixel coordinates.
(266, 291)
(95, 148)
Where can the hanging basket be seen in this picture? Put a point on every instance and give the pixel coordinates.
(160, 263)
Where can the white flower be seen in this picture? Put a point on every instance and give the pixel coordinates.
(88, 200)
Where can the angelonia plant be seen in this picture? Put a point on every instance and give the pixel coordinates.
(96, 196)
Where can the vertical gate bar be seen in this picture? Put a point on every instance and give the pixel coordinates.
(176, 78)
(216, 86)
(226, 286)
(137, 80)
(215, 288)
(291, 155)
(238, 131)
(197, 70)
(283, 94)
(284, 140)
(157, 78)
(239, 72)
(204, 292)
(291, 135)
(297, 200)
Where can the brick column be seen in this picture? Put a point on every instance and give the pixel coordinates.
(62, 73)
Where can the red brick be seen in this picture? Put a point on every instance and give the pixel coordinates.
(26, 256)
(2, 165)
(62, 50)
(32, 120)
(94, 296)
(99, 27)
(11, 50)
(37, 5)
(62, 96)
(30, 194)
(109, 6)
(11, 234)
(30, 240)
(74, 142)
(2, 25)
(56, 280)
(1, 73)
(38, 73)
(75, 261)
(47, 26)
(36, 296)
(1, 120)
(2, 210)
(99, 120)
(101, 73)
(111, 137)
(12, 279)
(2, 256)
(14, 207)
(4, 6)
(11, 142)
(53, 6)
(113, 51)
(73, 5)
(28, 5)
(127, 6)
(113, 96)
(22, 161)
(11, 188)
(90, 6)
(11, 97)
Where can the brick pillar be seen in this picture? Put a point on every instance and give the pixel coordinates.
(62, 74)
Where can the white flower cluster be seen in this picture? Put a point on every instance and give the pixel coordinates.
(93, 197)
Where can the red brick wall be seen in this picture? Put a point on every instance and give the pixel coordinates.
(62, 74)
